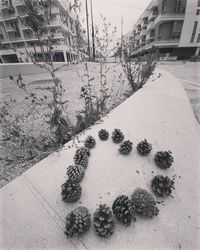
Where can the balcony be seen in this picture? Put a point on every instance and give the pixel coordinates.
(145, 16)
(137, 37)
(144, 25)
(30, 37)
(19, 2)
(7, 16)
(143, 33)
(154, 5)
(4, 4)
(143, 43)
(58, 35)
(169, 17)
(151, 26)
(61, 25)
(138, 32)
(55, 10)
(168, 42)
(25, 27)
(55, 23)
(34, 38)
(150, 36)
(10, 28)
(15, 39)
(139, 26)
(153, 14)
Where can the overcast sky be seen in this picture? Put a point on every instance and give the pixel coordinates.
(114, 10)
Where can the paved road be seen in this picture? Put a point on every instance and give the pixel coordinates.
(189, 75)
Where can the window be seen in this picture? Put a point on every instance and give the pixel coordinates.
(198, 12)
(163, 6)
(176, 32)
(198, 38)
(194, 32)
(198, 4)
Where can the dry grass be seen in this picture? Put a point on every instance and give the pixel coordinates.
(34, 127)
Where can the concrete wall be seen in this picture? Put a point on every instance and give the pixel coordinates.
(23, 68)
(190, 18)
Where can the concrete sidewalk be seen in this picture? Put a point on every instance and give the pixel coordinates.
(32, 213)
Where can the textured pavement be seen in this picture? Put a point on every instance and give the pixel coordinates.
(32, 212)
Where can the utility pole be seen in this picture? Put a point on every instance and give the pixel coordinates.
(93, 42)
(88, 35)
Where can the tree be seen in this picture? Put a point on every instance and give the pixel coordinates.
(39, 16)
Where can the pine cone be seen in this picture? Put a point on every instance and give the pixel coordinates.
(83, 151)
(162, 185)
(90, 142)
(78, 222)
(144, 148)
(103, 134)
(75, 173)
(104, 223)
(71, 192)
(117, 136)
(126, 147)
(124, 210)
(163, 159)
(144, 203)
(81, 158)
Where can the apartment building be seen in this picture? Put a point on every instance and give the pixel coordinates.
(170, 26)
(16, 37)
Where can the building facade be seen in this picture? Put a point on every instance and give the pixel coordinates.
(170, 26)
(16, 37)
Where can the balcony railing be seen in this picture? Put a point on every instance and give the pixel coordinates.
(137, 37)
(153, 14)
(143, 33)
(10, 28)
(168, 41)
(138, 32)
(178, 10)
(7, 16)
(150, 36)
(32, 37)
(144, 26)
(151, 26)
(55, 10)
(169, 17)
(19, 2)
(154, 5)
(4, 4)
(25, 27)
(15, 39)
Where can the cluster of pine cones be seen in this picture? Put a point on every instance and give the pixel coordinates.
(125, 209)
(71, 189)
